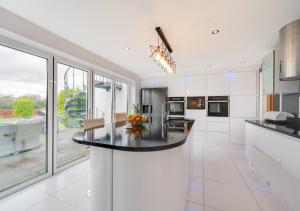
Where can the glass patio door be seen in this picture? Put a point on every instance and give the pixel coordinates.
(25, 129)
(121, 101)
(102, 98)
(72, 108)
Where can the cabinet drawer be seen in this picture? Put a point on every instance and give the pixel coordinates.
(199, 126)
(198, 136)
(218, 127)
(217, 137)
(217, 119)
(198, 115)
(267, 168)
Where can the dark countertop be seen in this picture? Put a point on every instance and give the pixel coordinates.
(148, 137)
(291, 128)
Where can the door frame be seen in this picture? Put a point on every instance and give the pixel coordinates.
(4, 41)
(89, 71)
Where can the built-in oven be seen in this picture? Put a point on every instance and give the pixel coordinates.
(176, 106)
(218, 106)
(195, 103)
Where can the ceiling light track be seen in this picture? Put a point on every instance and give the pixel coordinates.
(161, 54)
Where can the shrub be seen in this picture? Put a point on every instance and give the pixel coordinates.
(23, 107)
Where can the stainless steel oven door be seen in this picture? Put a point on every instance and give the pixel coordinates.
(176, 108)
(218, 108)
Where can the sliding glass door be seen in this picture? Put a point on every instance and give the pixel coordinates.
(102, 98)
(44, 100)
(72, 92)
(25, 143)
(121, 101)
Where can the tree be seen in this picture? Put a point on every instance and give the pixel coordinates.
(6, 102)
(23, 107)
(40, 102)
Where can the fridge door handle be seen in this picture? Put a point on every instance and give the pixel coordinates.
(150, 109)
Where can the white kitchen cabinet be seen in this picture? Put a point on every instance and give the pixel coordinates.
(196, 86)
(237, 130)
(218, 119)
(176, 87)
(275, 158)
(268, 169)
(196, 114)
(243, 83)
(217, 137)
(243, 106)
(198, 135)
(291, 175)
(154, 83)
(199, 126)
(218, 127)
(218, 84)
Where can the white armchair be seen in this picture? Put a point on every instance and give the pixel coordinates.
(28, 135)
(7, 135)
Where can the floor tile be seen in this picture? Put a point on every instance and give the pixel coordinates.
(75, 194)
(223, 174)
(52, 204)
(217, 156)
(196, 153)
(210, 209)
(195, 191)
(268, 201)
(54, 184)
(228, 197)
(193, 207)
(22, 200)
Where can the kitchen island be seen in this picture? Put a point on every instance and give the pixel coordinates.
(144, 168)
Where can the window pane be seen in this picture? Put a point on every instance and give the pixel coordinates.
(102, 98)
(23, 114)
(71, 111)
(121, 103)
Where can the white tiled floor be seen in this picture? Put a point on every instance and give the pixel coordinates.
(220, 180)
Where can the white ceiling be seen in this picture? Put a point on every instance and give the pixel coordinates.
(248, 29)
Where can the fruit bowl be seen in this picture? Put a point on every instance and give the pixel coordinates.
(137, 119)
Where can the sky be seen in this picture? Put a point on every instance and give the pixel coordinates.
(25, 74)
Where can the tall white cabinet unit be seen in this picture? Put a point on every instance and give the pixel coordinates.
(218, 84)
(154, 83)
(243, 103)
(176, 87)
(195, 85)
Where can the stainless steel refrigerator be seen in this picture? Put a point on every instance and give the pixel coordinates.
(153, 104)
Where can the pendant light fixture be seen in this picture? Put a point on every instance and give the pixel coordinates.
(161, 53)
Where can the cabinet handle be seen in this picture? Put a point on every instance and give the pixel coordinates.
(280, 70)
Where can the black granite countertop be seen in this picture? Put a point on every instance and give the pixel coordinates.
(290, 128)
(147, 137)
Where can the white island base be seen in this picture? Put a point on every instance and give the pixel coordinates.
(139, 181)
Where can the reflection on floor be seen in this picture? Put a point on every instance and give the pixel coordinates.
(220, 180)
(15, 169)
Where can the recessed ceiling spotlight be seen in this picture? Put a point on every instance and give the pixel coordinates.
(127, 48)
(216, 31)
